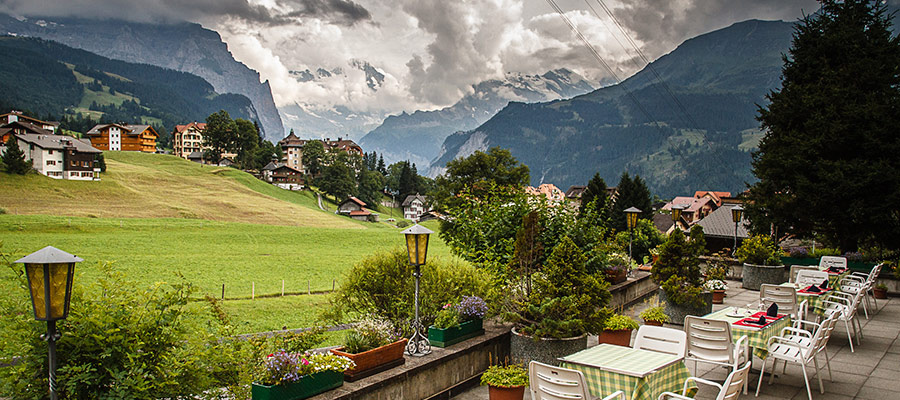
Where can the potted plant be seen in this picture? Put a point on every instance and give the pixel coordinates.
(678, 273)
(565, 303)
(654, 315)
(880, 291)
(373, 346)
(617, 330)
(458, 322)
(505, 382)
(717, 287)
(654, 254)
(617, 268)
(761, 260)
(293, 376)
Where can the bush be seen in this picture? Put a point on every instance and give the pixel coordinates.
(505, 376)
(383, 285)
(655, 313)
(759, 250)
(677, 270)
(369, 334)
(567, 301)
(646, 237)
(799, 252)
(618, 322)
(825, 251)
(402, 224)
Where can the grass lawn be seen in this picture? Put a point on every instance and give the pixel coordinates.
(212, 253)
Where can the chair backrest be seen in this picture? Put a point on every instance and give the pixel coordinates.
(810, 277)
(709, 339)
(731, 389)
(784, 296)
(663, 340)
(797, 268)
(873, 275)
(832, 261)
(556, 383)
(827, 327)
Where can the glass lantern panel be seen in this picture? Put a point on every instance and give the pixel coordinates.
(59, 278)
(36, 285)
(411, 248)
(423, 248)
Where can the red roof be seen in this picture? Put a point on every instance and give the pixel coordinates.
(200, 125)
(357, 201)
(359, 212)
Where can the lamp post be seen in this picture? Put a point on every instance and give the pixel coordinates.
(417, 248)
(676, 212)
(631, 216)
(49, 272)
(737, 212)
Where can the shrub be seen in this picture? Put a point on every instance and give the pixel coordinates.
(505, 376)
(799, 252)
(402, 224)
(471, 307)
(618, 322)
(677, 270)
(758, 250)
(655, 313)
(369, 334)
(645, 237)
(566, 301)
(825, 251)
(383, 286)
(448, 317)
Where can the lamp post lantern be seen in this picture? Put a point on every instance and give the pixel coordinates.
(50, 272)
(676, 212)
(737, 212)
(417, 249)
(631, 217)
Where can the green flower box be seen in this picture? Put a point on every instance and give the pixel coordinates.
(453, 335)
(861, 266)
(308, 386)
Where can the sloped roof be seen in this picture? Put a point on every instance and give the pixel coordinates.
(128, 129)
(719, 223)
(195, 155)
(693, 204)
(291, 140)
(575, 191)
(716, 196)
(355, 200)
(272, 165)
(359, 212)
(28, 127)
(57, 142)
(287, 167)
(662, 222)
(20, 117)
(199, 125)
(409, 199)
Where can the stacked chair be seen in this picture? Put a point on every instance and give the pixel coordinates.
(799, 346)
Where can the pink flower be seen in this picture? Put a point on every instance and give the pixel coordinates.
(305, 361)
(272, 355)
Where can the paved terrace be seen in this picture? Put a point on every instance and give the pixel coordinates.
(872, 372)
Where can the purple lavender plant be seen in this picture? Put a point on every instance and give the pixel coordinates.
(282, 367)
(471, 307)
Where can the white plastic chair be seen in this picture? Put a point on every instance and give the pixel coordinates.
(802, 334)
(805, 278)
(832, 261)
(709, 341)
(859, 282)
(662, 340)
(784, 296)
(730, 390)
(787, 349)
(797, 268)
(547, 382)
(842, 306)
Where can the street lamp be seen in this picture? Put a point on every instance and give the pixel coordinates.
(417, 249)
(676, 212)
(737, 212)
(49, 272)
(631, 216)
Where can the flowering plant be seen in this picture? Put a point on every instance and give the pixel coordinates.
(471, 307)
(282, 367)
(715, 284)
(368, 334)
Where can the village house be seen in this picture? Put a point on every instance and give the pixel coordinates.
(17, 116)
(353, 208)
(414, 206)
(292, 148)
(266, 172)
(187, 139)
(59, 156)
(575, 191)
(123, 137)
(287, 177)
(694, 209)
(548, 190)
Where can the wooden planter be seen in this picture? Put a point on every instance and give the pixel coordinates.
(621, 337)
(879, 293)
(718, 296)
(506, 393)
(450, 336)
(308, 386)
(617, 277)
(373, 361)
(653, 323)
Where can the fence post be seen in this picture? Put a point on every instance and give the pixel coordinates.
(223, 291)
(252, 290)
(332, 285)
(282, 288)
(308, 285)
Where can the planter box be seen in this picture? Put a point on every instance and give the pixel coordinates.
(450, 336)
(506, 393)
(677, 312)
(621, 337)
(373, 361)
(616, 278)
(653, 323)
(308, 386)
(861, 266)
(523, 349)
(756, 275)
(718, 296)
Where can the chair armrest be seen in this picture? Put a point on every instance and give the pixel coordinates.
(616, 395)
(742, 342)
(802, 322)
(857, 274)
(799, 332)
(670, 395)
(698, 380)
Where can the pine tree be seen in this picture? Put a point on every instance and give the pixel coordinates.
(595, 191)
(828, 161)
(632, 193)
(14, 157)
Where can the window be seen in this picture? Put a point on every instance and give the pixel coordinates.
(51, 152)
(51, 162)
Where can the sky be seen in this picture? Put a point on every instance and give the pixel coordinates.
(430, 52)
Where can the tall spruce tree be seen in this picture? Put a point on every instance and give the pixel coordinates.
(828, 162)
(595, 191)
(632, 192)
(14, 157)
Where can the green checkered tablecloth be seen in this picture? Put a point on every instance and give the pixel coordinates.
(757, 337)
(641, 374)
(813, 301)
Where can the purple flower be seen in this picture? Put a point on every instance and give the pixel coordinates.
(471, 307)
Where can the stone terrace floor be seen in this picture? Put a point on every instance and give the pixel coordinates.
(872, 372)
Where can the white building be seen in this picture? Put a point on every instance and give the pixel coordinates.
(60, 156)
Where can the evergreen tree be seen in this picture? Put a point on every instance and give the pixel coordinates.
(828, 161)
(338, 180)
(14, 157)
(381, 167)
(632, 193)
(313, 157)
(370, 184)
(220, 134)
(247, 141)
(596, 192)
(407, 181)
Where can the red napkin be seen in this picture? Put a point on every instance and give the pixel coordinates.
(753, 320)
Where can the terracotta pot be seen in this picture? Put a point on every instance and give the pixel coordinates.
(621, 337)
(373, 358)
(617, 277)
(718, 296)
(655, 257)
(653, 323)
(506, 393)
(879, 293)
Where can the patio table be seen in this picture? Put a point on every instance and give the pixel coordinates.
(757, 336)
(641, 374)
(814, 301)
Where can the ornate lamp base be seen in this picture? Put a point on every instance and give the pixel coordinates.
(418, 344)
